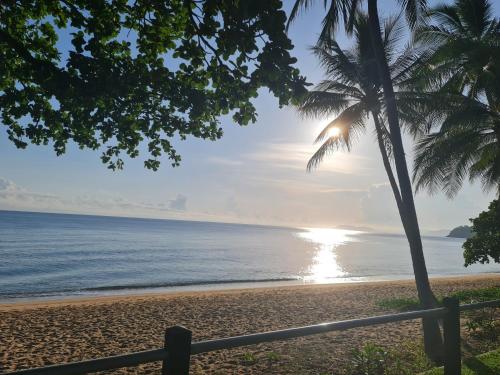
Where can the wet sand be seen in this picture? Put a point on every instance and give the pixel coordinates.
(41, 333)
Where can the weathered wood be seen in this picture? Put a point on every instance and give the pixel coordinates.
(480, 305)
(99, 364)
(178, 347)
(451, 328)
(257, 338)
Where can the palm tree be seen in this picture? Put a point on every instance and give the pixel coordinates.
(345, 10)
(353, 90)
(459, 92)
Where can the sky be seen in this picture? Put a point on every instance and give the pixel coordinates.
(254, 174)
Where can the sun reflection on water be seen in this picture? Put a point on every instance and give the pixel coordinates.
(324, 267)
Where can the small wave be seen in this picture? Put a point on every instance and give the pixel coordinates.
(186, 283)
(110, 288)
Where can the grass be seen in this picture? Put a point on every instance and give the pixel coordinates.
(272, 356)
(407, 359)
(464, 296)
(249, 358)
(400, 304)
(484, 364)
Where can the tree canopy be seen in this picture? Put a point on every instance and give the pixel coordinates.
(459, 84)
(485, 241)
(111, 74)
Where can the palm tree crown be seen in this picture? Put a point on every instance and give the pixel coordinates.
(353, 89)
(459, 95)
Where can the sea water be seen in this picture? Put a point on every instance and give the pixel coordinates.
(46, 255)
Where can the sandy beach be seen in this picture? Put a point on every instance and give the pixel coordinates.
(42, 333)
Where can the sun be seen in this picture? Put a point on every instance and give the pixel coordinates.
(333, 132)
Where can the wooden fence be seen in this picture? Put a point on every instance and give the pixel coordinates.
(178, 346)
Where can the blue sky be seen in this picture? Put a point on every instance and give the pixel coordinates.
(254, 174)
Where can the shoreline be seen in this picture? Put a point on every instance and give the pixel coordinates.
(42, 302)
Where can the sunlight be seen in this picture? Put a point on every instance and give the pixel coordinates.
(325, 267)
(333, 132)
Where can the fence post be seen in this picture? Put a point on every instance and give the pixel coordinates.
(451, 332)
(178, 346)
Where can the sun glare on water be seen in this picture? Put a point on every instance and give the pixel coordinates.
(324, 267)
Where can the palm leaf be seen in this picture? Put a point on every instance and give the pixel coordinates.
(349, 122)
(323, 103)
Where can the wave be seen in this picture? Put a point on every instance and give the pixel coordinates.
(187, 283)
(143, 286)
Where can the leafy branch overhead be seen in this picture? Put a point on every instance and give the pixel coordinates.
(111, 74)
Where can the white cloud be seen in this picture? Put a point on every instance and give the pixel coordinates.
(295, 156)
(13, 196)
(223, 161)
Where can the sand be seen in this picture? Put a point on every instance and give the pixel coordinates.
(42, 333)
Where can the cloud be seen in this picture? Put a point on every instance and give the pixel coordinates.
(13, 196)
(223, 161)
(11, 193)
(179, 203)
(296, 155)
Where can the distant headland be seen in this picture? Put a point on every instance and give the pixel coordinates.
(463, 231)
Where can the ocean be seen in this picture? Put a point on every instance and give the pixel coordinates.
(58, 255)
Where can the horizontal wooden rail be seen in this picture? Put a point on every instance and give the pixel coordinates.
(137, 358)
(480, 305)
(100, 364)
(258, 338)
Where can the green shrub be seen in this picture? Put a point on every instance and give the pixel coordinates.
(408, 358)
(369, 360)
(483, 325)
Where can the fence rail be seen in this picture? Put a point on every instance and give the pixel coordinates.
(178, 347)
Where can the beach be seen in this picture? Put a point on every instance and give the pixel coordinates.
(40, 333)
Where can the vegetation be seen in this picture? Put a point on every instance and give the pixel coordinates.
(381, 87)
(483, 324)
(464, 296)
(485, 243)
(138, 71)
(409, 358)
(484, 364)
(248, 358)
(463, 231)
(458, 81)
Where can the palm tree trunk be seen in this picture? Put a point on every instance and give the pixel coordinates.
(386, 161)
(432, 333)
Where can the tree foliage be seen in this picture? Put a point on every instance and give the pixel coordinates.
(459, 84)
(352, 90)
(111, 74)
(485, 241)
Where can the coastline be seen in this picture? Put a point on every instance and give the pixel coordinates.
(41, 333)
(200, 289)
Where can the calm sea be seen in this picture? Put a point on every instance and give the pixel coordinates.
(55, 255)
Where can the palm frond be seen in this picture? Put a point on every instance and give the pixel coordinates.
(349, 122)
(335, 86)
(338, 64)
(298, 6)
(414, 10)
(475, 15)
(323, 103)
(331, 145)
(443, 159)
